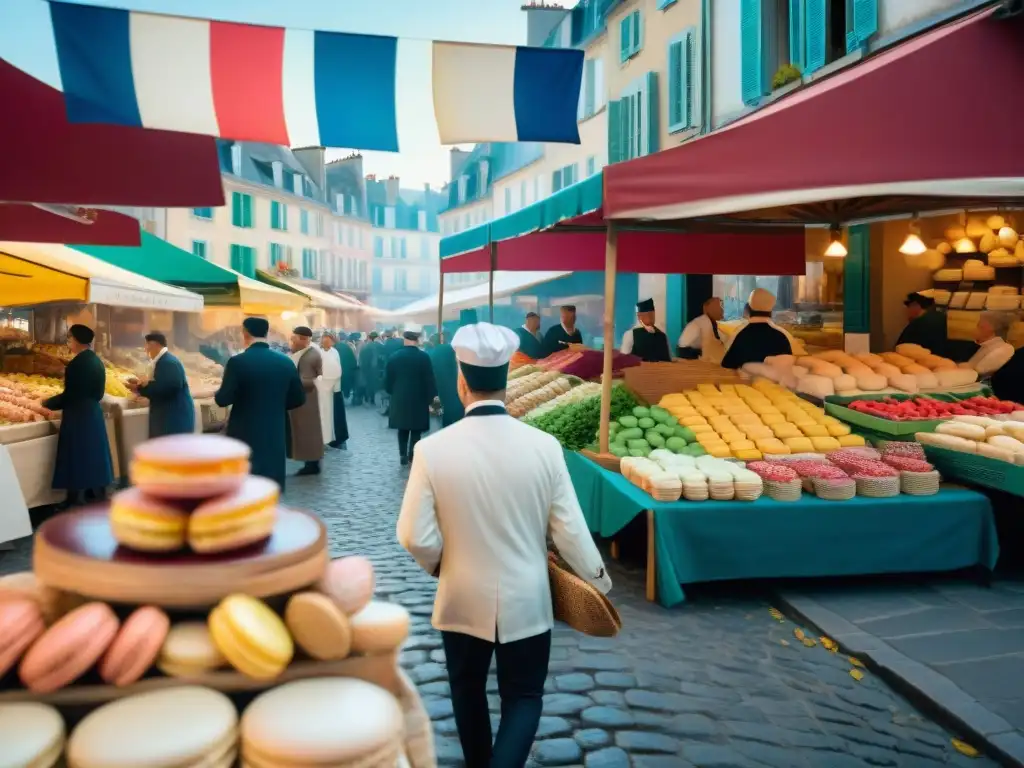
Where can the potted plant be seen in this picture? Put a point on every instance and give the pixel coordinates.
(786, 74)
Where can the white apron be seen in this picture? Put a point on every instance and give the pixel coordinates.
(326, 386)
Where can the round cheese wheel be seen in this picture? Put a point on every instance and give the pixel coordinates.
(381, 627)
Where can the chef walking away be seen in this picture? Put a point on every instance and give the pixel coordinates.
(559, 337)
(171, 410)
(759, 338)
(926, 326)
(305, 437)
(261, 386)
(531, 343)
(409, 379)
(646, 340)
(482, 499)
(446, 377)
(335, 429)
(83, 467)
(700, 339)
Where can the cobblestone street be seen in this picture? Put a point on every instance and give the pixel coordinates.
(718, 683)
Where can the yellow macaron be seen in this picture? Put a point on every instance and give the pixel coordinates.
(147, 524)
(253, 638)
(236, 519)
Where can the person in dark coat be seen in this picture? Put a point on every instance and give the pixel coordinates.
(349, 365)
(446, 377)
(1008, 382)
(171, 410)
(83, 467)
(409, 380)
(531, 343)
(646, 340)
(759, 339)
(261, 386)
(559, 337)
(368, 370)
(926, 326)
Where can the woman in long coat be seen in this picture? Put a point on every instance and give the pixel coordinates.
(305, 438)
(83, 450)
(446, 376)
(409, 379)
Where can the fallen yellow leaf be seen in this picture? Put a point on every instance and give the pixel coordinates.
(856, 674)
(775, 613)
(964, 748)
(798, 633)
(830, 644)
(784, 642)
(856, 662)
(809, 642)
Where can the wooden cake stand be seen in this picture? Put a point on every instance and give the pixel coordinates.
(76, 552)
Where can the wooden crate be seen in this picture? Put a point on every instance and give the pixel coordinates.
(652, 381)
(606, 460)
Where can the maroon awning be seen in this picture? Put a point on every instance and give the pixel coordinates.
(27, 224)
(933, 122)
(47, 160)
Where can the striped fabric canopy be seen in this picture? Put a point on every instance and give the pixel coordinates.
(303, 88)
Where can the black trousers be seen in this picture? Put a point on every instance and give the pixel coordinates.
(407, 439)
(522, 669)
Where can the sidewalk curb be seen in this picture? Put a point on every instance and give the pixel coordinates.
(986, 730)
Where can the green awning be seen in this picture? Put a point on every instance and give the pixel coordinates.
(159, 260)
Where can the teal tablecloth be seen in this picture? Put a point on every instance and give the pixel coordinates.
(719, 540)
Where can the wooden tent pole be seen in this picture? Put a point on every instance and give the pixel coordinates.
(490, 282)
(610, 269)
(440, 303)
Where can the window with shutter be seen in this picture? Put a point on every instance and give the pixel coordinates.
(651, 112)
(589, 85)
(625, 38)
(638, 33)
(304, 221)
(861, 22)
(797, 31)
(556, 181)
(199, 248)
(676, 80)
(815, 35)
(508, 200)
(751, 64)
(591, 165)
(614, 131)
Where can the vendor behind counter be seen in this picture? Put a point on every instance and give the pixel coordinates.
(926, 326)
(759, 339)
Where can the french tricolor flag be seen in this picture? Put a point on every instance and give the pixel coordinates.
(303, 88)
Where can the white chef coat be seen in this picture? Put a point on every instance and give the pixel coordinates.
(990, 357)
(627, 339)
(326, 386)
(485, 493)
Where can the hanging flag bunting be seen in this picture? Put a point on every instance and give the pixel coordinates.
(302, 88)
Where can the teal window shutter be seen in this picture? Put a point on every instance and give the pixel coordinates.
(687, 85)
(797, 47)
(236, 209)
(556, 180)
(275, 214)
(676, 84)
(638, 32)
(625, 37)
(861, 22)
(653, 127)
(247, 211)
(304, 221)
(589, 85)
(751, 77)
(815, 35)
(614, 131)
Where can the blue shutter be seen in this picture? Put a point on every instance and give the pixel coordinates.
(589, 85)
(236, 210)
(676, 85)
(653, 118)
(625, 37)
(688, 79)
(638, 31)
(614, 131)
(247, 210)
(751, 78)
(816, 35)
(797, 46)
(861, 22)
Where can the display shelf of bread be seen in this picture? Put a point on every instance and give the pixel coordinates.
(203, 375)
(47, 361)
(307, 665)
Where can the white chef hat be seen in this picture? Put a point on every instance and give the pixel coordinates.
(412, 331)
(484, 351)
(761, 300)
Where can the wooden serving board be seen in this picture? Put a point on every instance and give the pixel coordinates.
(380, 669)
(76, 552)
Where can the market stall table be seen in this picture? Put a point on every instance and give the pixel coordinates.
(692, 542)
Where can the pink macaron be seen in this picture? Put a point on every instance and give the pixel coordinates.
(69, 648)
(136, 646)
(21, 624)
(189, 466)
(349, 582)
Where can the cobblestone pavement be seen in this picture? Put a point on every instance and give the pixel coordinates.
(718, 683)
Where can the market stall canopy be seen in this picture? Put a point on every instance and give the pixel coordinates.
(884, 137)
(49, 160)
(505, 284)
(568, 230)
(107, 284)
(159, 260)
(25, 223)
(23, 283)
(317, 298)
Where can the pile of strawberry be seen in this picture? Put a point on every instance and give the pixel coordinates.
(772, 472)
(925, 408)
(897, 448)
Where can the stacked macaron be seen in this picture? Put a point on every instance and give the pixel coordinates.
(193, 490)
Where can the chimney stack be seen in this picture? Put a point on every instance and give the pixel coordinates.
(391, 190)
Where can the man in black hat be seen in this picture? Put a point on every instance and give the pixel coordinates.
(531, 343)
(559, 337)
(368, 357)
(409, 379)
(261, 386)
(646, 340)
(926, 326)
(171, 409)
(83, 466)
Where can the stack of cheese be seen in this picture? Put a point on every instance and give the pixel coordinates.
(984, 436)
(976, 269)
(526, 402)
(1003, 298)
(916, 360)
(748, 422)
(531, 381)
(666, 476)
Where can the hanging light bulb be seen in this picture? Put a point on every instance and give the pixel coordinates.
(965, 245)
(836, 249)
(913, 245)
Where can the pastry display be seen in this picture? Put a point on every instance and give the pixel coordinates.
(189, 466)
(69, 648)
(319, 626)
(189, 651)
(135, 647)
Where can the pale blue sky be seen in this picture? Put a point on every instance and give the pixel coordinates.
(26, 40)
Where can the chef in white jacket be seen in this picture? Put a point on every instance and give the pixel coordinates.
(327, 385)
(483, 496)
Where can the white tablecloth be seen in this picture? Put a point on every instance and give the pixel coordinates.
(15, 495)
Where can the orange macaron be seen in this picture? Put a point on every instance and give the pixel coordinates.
(236, 519)
(148, 524)
(69, 648)
(189, 466)
(136, 646)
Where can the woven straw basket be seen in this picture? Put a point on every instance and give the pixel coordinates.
(579, 604)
